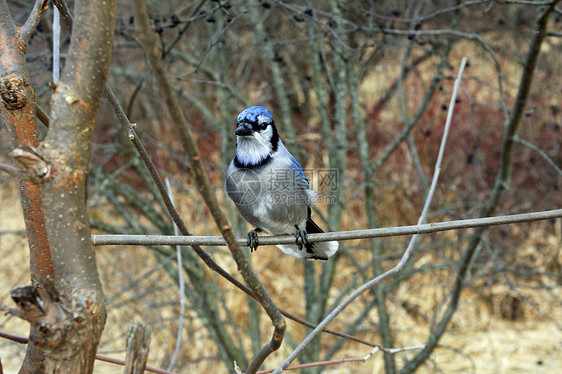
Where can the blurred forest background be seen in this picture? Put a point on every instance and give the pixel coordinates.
(358, 86)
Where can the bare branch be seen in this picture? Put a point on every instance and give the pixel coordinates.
(41, 115)
(16, 172)
(183, 229)
(182, 31)
(378, 348)
(74, 108)
(65, 14)
(8, 336)
(338, 309)
(389, 149)
(181, 287)
(32, 21)
(438, 162)
(432, 15)
(501, 183)
(202, 182)
(528, 2)
(541, 153)
(427, 228)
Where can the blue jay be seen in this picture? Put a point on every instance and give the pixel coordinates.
(269, 188)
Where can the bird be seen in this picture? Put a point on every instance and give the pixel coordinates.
(269, 187)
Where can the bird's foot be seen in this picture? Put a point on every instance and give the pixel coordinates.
(301, 237)
(253, 241)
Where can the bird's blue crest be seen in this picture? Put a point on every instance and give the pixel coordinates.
(251, 114)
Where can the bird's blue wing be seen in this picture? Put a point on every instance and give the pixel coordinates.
(298, 168)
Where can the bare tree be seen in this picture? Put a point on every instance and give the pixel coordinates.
(358, 89)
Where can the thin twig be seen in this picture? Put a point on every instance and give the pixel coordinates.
(340, 361)
(42, 116)
(391, 147)
(181, 288)
(541, 153)
(16, 172)
(437, 169)
(165, 52)
(183, 29)
(407, 252)
(460, 34)
(433, 14)
(427, 228)
(527, 2)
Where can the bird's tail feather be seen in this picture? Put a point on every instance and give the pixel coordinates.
(312, 251)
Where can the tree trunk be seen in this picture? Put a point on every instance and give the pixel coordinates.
(67, 317)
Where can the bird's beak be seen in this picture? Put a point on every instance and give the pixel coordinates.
(243, 129)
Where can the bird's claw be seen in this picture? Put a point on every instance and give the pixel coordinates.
(301, 237)
(253, 241)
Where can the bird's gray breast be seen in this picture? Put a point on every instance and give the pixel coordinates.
(273, 197)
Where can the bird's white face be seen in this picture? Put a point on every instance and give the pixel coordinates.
(262, 133)
(256, 140)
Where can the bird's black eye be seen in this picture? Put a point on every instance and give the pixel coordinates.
(259, 126)
(264, 121)
(263, 125)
